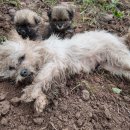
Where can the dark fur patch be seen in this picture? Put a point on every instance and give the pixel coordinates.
(26, 30)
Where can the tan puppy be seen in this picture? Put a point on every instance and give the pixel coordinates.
(60, 21)
(27, 24)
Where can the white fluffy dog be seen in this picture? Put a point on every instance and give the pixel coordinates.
(49, 61)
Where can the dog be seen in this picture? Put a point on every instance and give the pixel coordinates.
(60, 21)
(50, 61)
(28, 23)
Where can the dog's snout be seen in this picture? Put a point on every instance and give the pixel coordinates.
(18, 29)
(24, 73)
(23, 31)
(60, 25)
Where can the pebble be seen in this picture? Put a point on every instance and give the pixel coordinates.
(126, 98)
(65, 129)
(107, 113)
(38, 121)
(2, 96)
(77, 115)
(64, 106)
(4, 121)
(22, 127)
(108, 17)
(85, 95)
(79, 122)
(15, 101)
(4, 107)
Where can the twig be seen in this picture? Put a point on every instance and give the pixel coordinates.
(53, 126)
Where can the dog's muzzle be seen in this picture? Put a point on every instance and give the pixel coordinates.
(60, 26)
(22, 32)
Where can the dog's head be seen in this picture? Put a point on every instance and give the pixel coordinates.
(27, 22)
(60, 17)
(20, 61)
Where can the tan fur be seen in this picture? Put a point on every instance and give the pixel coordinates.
(29, 17)
(13, 35)
(60, 20)
(56, 58)
(25, 15)
(60, 12)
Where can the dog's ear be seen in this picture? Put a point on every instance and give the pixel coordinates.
(71, 13)
(49, 11)
(37, 19)
(12, 14)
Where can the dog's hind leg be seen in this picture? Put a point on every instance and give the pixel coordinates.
(117, 71)
(118, 57)
(118, 62)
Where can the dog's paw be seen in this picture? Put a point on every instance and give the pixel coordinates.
(28, 95)
(40, 103)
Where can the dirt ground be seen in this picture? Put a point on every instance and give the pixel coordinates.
(85, 102)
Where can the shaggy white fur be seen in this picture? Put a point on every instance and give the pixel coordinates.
(60, 57)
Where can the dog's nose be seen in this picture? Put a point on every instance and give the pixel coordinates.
(60, 25)
(24, 73)
(23, 32)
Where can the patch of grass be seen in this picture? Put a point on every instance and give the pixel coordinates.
(50, 3)
(113, 7)
(107, 7)
(88, 1)
(15, 3)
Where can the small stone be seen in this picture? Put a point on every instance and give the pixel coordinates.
(22, 3)
(55, 103)
(90, 114)
(107, 113)
(80, 26)
(38, 121)
(108, 17)
(15, 101)
(64, 106)
(4, 107)
(2, 96)
(22, 127)
(79, 122)
(77, 115)
(65, 129)
(4, 121)
(85, 95)
(126, 98)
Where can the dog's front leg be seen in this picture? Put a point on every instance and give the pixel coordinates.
(34, 93)
(42, 83)
(50, 73)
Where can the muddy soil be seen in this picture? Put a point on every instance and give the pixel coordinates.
(84, 102)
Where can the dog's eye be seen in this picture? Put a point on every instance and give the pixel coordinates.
(21, 58)
(65, 19)
(54, 20)
(11, 68)
(30, 25)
